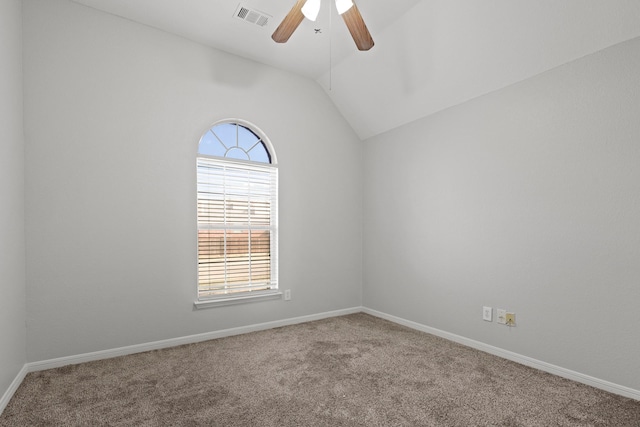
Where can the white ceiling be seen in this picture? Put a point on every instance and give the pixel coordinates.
(429, 54)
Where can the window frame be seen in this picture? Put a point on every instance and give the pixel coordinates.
(272, 166)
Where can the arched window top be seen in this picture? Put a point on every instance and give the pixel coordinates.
(237, 206)
(237, 140)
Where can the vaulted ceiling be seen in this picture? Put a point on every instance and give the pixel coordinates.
(429, 54)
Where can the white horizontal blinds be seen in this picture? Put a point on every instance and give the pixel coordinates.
(237, 221)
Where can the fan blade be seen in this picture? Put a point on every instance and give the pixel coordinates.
(358, 28)
(289, 23)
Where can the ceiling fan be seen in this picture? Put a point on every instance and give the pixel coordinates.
(310, 9)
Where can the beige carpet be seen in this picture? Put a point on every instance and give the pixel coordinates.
(355, 370)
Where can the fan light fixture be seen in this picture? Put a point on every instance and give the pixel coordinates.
(343, 6)
(311, 8)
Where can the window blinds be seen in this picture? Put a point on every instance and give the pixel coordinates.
(237, 227)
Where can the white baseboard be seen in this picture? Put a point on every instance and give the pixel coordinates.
(515, 357)
(172, 342)
(6, 397)
(156, 345)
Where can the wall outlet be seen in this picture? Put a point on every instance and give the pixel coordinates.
(502, 316)
(287, 295)
(487, 314)
(511, 319)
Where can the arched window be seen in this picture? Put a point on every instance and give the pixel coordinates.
(237, 181)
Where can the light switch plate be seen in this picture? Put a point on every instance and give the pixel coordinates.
(487, 314)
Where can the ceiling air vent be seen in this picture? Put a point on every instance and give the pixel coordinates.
(252, 16)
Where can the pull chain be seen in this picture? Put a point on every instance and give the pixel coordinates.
(330, 47)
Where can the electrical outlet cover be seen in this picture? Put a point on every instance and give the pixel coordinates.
(502, 316)
(487, 314)
(510, 319)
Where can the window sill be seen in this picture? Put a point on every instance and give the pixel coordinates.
(224, 301)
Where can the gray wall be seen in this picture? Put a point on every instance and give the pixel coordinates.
(12, 248)
(114, 111)
(526, 199)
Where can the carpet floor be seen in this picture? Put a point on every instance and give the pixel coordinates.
(355, 370)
